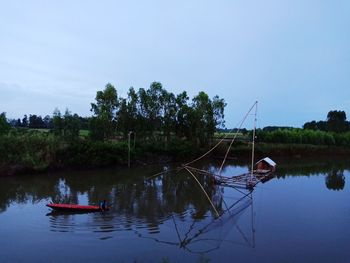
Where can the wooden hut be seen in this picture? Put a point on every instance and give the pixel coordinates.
(265, 165)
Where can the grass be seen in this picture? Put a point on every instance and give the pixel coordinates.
(84, 133)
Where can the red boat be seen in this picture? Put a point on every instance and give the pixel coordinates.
(75, 208)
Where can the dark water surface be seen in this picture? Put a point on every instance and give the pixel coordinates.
(302, 215)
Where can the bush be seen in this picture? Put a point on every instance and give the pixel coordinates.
(90, 154)
(300, 136)
(31, 150)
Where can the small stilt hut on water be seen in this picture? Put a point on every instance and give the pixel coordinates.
(265, 165)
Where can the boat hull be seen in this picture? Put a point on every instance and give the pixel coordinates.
(74, 208)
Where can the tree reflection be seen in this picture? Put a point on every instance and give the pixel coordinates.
(22, 190)
(335, 180)
(137, 199)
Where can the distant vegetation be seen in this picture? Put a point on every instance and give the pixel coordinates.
(334, 131)
(159, 122)
(336, 122)
(153, 114)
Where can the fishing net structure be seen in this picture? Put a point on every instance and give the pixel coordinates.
(204, 235)
(234, 227)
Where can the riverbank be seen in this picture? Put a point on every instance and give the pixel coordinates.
(38, 153)
(290, 150)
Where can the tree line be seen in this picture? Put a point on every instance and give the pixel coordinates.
(155, 114)
(152, 114)
(33, 121)
(165, 124)
(334, 131)
(336, 122)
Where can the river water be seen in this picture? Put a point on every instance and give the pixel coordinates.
(301, 215)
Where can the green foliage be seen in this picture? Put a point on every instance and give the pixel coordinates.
(71, 126)
(105, 110)
(300, 136)
(156, 114)
(84, 133)
(97, 125)
(30, 150)
(27, 150)
(66, 127)
(4, 126)
(181, 148)
(336, 122)
(201, 119)
(167, 124)
(57, 122)
(86, 153)
(36, 122)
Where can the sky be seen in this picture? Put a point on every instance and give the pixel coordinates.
(291, 56)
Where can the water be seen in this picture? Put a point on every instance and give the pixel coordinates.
(302, 215)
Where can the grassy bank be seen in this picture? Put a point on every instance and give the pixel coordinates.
(33, 152)
(285, 150)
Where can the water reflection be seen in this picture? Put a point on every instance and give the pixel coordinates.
(138, 205)
(335, 180)
(206, 235)
(131, 194)
(332, 169)
(170, 216)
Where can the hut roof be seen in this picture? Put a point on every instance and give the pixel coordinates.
(268, 160)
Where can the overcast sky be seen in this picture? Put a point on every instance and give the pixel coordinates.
(293, 56)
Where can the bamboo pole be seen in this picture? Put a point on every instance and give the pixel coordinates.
(234, 138)
(253, 148)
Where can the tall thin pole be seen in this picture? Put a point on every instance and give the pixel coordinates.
(134, 139)
(234, 138)
(253, 150)
(129, 148)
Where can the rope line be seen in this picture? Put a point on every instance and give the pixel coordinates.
(217, 213)
(240, 124)
(234, 138)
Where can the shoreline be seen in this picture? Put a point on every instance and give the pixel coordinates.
(141, 157)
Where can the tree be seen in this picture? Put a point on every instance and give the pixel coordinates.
(202, 118)
(97, 129)
(218, 112)
(25, 121)
(336, 121)
(36, 122)
(57, 123)
(71, 126)
(182, 114)
(310, 125)
(4, 126)
(133, 109)
(48, 122)
(205, 116)
(151, 102)
(123, 117)
(105, 110)
(128, 113)
(169, 109)
(18, 123)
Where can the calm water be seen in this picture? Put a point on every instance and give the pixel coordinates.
(302, 215)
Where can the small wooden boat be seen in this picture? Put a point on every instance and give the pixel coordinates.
(75, 208)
